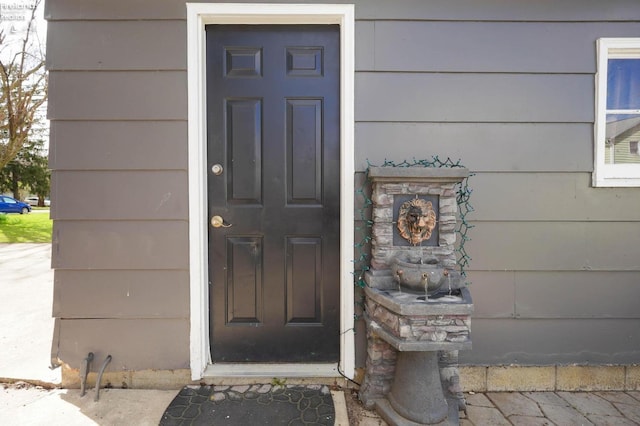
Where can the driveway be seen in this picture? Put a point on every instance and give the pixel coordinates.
(26, 324)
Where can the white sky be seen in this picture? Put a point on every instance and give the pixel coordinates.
(14, 18)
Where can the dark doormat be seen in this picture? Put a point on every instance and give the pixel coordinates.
(251, 405)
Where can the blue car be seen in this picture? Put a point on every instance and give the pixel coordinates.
(11, 205)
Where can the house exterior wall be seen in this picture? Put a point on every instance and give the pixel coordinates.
(506, 87)
(119, 160)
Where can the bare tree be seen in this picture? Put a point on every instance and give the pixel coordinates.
(23, 90)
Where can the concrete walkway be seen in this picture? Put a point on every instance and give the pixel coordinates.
(26, 325)
(26, 330)
(37, 406)
(553, 408)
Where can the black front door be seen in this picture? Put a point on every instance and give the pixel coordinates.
(274, 177)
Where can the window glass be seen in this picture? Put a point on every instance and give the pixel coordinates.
(622, 131)
(623, 84)
(623, 101)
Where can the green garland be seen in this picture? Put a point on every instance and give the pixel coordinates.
(463, 193)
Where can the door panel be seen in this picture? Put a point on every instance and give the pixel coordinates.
(273, 126)
(304, 151)
(244, 143)
(304, 278)
(244, 280)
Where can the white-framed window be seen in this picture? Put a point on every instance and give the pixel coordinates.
(617, 125)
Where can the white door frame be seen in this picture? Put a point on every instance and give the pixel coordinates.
(198, 15)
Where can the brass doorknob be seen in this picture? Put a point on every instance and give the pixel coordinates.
(218, 221)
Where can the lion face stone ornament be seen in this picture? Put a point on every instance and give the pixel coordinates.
(416, 220)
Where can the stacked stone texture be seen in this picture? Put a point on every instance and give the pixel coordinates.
(383, 250)
(416, 328)
(380, 368)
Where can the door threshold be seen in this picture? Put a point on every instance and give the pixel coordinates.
(270, 371)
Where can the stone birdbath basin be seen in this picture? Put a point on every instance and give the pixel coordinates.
(423, 276)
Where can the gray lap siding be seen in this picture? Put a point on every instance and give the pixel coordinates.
(506, 87)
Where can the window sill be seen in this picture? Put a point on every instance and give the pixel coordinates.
(612, 182)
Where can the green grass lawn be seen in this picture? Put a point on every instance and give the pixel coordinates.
(25, 228)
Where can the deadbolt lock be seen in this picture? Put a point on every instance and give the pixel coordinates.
(217, 169)
(218, 222)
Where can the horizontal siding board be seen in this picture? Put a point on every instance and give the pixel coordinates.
(121, 294)
(554, 246)
(120, 195)
(463, 97)
(119, 45)
(481, 147)
(365, 45)
(120, 245)
(102, 95)
(586, 294)
(118, 145)
(544, 342)
(554, 295)
(492, 46)
(493, 293)
(134, 344)
(119, 9)
(490, 10)
(549, 197)
(498, 10)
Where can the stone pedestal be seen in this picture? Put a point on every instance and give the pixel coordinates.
(416, 393)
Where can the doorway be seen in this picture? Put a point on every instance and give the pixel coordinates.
(198, 16)
(274, 183)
